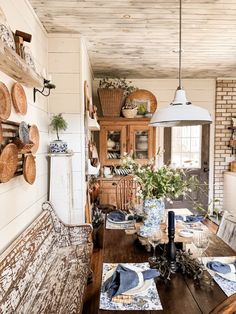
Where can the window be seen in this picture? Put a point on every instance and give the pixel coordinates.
(186, 146)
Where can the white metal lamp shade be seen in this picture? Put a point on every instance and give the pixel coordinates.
(180, 113)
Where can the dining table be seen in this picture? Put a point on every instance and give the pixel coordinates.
(179, 295)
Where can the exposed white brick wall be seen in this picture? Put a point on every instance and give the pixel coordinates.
(225, 108)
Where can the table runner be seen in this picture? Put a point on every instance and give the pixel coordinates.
(147, 300)
(228, 286)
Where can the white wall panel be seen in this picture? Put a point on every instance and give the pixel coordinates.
(21, 202)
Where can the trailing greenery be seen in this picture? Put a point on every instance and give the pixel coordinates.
(117, 83)
(58, 123)
(186, 264)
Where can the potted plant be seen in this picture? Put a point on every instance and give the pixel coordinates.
(57, 124)
(129, 110)
(111, 93)
(97, 222)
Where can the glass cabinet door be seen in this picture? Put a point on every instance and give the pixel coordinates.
(141, 143)
(113, 145)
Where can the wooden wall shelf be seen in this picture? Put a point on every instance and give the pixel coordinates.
(14, 66)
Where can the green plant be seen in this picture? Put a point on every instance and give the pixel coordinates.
(97, 217)
(185, 263)
(164, 182)
(117, 83)
(58, 123)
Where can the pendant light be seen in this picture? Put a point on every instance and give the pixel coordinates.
(180, 112)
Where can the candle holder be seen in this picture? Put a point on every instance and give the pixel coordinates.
(172, 250)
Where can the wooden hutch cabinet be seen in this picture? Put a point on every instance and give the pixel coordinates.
(120, 135)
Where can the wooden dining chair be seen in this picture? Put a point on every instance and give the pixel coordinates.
(228, 306)
(126, 193)
(227, 230)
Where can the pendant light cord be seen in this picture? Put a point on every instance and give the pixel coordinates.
(180, 42)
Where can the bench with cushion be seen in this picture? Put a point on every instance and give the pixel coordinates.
(45, 270)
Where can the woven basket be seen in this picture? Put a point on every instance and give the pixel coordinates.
(111, 100)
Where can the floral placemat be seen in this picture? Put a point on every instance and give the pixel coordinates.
(146, 300)
(228, 286)
(125, 226)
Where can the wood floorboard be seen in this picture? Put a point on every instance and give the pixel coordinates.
(93, 289)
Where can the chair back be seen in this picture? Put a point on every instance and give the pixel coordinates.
(228, 306)
(126, 193)
(227, 230)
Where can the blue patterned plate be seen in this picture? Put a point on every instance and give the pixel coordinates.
(7, 36)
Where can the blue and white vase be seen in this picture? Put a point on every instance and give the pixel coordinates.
(153, 209)
(58, 146)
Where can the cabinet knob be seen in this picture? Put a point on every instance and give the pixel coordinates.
(114, 183)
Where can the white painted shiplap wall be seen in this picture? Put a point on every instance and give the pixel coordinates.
(69, 66)
(200, 92)
(21, 202)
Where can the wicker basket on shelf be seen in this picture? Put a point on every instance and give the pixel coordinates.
(111, 100)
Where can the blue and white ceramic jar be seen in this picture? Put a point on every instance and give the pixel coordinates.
(154, 211)
(58, 146)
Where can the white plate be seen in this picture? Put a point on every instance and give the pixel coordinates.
(185, 233)
(222, 259)
(119, 222)
(139, 289)
(229, 276)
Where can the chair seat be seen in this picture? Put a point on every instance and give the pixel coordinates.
(227, 230)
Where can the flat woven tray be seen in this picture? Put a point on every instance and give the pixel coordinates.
(34, 138)
(19, 98)
(143, 94)
(5, 101)
(8, 162)
(29, 169)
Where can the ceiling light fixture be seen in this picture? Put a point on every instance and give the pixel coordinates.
(180, 112)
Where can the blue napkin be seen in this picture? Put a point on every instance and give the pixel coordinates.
(194, 218)
(124, 279)
(190, 218)
(116, 215)
(220, 267)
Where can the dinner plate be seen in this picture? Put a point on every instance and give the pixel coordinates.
(119, 222)
(223, 259)
(229, 276)
(139, 289)
(185, 233)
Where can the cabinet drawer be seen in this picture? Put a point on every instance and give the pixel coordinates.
(109, 184)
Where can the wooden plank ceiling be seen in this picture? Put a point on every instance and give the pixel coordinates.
(136, 38)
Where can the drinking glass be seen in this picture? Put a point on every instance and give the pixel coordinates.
(154, 238)
(201, 241)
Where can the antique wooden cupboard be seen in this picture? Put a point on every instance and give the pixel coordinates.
(119, 136)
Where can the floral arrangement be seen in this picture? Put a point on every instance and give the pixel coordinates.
(164, 182)
(117, 83)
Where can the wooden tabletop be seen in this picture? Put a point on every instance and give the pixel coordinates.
(179, 296)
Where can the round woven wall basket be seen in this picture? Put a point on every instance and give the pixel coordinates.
(111, 100)
(8, 162)
(29, 169)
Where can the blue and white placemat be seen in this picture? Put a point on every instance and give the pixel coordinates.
(146, 300)
(120, 226)
(228, 286)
